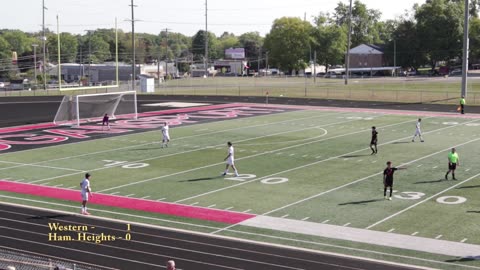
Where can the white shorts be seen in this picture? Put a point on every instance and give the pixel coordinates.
(418, 132)
(166, 137)
(84, 196)
(230, 161)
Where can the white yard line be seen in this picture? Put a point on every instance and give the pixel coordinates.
(19, 164)
(208, 147)
(421, 202)
(391, 230)
(288, 170)
(364, 178)
(176, 139)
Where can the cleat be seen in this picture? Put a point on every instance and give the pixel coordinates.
(454, 178)
(223, 174)
(237, 175)
(413, 140)
(386, 198)
(86, 213)
(422, 140)
(390, 198)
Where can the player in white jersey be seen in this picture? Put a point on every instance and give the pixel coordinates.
(86, 192)
(230, 159)
(418, 131)
(166, 135)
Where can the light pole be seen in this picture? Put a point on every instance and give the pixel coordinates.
(44, 40)
(347, 61)
(465, 50)
(35, 61)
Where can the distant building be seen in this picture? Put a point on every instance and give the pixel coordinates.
(98, 73)
(367, 56)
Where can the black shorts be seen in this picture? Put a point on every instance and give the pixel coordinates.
(374, 142)
(452, 166)
(388, 183)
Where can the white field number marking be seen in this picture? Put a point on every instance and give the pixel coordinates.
(451, 200)
(411, 195)
(127, 165)
(267, 181)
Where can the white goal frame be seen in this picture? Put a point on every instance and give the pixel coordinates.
(77, 107)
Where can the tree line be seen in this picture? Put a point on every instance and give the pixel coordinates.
(431, 33)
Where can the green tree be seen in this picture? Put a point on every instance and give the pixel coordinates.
(288, 43)
(330, 43)
(68, 48)
(18, 40)
(227, 40)
(404, 46)
(364, 22)
(474, 40)
(198, 46)
(440, 29)
(5, 58)
(252, 42)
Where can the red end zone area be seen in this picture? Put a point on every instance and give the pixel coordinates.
(128, 203)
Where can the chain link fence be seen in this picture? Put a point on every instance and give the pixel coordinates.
(16, 260)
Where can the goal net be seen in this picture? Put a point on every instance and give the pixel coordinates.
(75, 110)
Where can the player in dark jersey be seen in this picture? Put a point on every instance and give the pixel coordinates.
(388, 179)
(106, 122)
(373, 141)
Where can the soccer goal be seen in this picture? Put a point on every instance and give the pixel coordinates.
(75, 110)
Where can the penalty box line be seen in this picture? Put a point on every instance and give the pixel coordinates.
(145, 144)
(339, 187)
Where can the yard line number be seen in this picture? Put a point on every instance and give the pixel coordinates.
(411, 195)
(266, 181)
(126, 164)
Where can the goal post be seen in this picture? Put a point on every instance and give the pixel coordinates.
(74, 110)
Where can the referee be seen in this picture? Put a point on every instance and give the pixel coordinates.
(453, 162)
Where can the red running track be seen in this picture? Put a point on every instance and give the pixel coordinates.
(128, 203)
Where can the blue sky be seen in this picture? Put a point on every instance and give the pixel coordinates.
(184, 16)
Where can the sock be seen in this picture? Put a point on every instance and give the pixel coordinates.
(236, 172)
(391, 190)
(453, 175)
(385, 192)
(83, 209)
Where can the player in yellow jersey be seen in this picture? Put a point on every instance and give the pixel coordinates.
(453, 162)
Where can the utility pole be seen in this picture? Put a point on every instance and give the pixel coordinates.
(166, 53)
(315, 67)
(347, 61)
(133, 45)
(206, 38)
(395, 58)
(258, 60)
(266, 63)
(44, 40)
(465, 50)
(35, 61)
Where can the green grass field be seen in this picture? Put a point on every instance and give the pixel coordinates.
(302, 165)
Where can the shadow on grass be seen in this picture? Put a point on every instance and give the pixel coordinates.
(474, 212)
(430, 182)
(202, 179)
(361, 202)
(465, 259)
(477, 186)
(354, 156)
(50, 216)
(401, 142)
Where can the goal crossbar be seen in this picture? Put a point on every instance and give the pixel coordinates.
(75, 108)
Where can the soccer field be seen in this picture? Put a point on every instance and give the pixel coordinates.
(303, 166)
